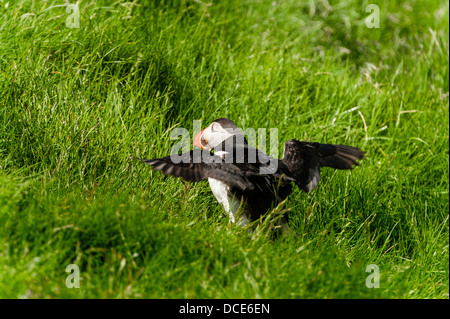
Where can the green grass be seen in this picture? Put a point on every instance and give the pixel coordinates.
(77, 106)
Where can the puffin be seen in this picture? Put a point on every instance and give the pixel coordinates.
(247, 182)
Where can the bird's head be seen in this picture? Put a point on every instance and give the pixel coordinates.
(217, 132)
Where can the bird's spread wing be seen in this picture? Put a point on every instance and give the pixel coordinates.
(198, 165)
(243, 167)
(305, 159)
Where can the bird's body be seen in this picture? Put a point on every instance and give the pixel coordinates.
(247, 181)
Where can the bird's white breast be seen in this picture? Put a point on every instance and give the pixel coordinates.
(223, 195)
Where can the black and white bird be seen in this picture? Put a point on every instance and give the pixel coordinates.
(242, 176)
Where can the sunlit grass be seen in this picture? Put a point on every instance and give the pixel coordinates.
(78, 106)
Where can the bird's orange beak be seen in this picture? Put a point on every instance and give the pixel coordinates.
(197, 139)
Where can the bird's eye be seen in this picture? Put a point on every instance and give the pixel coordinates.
(203, 141)
(212, 128)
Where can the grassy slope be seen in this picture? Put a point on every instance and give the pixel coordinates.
(77, 105)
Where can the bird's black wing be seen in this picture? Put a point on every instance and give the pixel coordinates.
(198, 165)
(243, 167)
(305, 159)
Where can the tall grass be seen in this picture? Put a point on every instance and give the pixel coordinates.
(77, 106)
